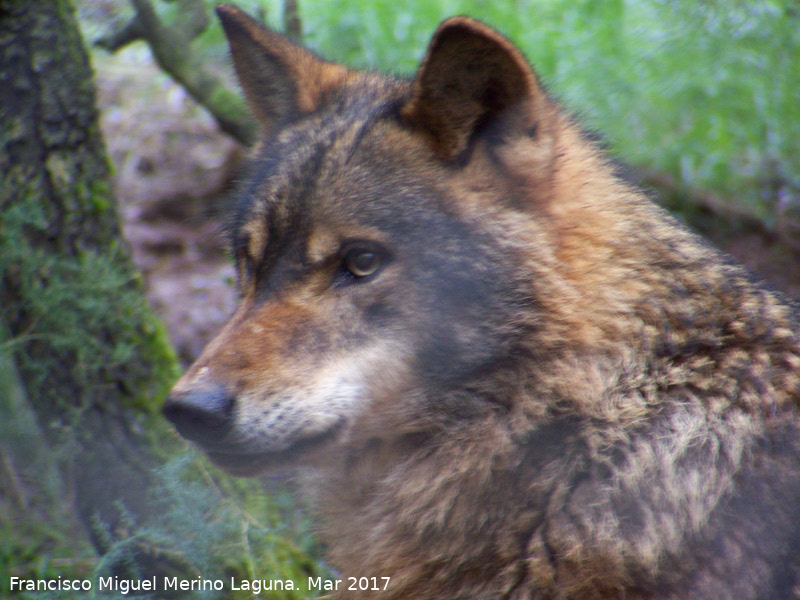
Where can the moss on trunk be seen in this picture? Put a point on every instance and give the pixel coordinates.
(94, 361)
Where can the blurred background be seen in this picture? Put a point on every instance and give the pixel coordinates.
(698, 99)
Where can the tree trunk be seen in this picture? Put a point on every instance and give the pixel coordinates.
(81, 346)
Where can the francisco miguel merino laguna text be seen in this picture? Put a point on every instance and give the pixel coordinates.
(125, 586)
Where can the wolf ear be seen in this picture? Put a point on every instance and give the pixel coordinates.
(280, 79)
(470, 75)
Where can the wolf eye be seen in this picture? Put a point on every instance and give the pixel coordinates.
(362, 262)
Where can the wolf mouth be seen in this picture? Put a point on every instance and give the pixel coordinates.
(245, 464)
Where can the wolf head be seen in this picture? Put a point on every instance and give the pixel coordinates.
(377, 243)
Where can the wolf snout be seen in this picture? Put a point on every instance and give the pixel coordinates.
(202, 414)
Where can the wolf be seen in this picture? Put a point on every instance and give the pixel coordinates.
(498, 370)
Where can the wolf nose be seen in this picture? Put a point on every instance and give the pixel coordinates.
(201, 415)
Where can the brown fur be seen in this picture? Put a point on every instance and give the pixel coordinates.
(542, 387)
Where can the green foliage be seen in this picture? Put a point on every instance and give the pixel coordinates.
(208, 526)
(28, 549)
(213, 527)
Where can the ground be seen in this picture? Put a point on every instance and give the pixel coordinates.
(173, 170)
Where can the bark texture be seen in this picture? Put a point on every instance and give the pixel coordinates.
(93, 361)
